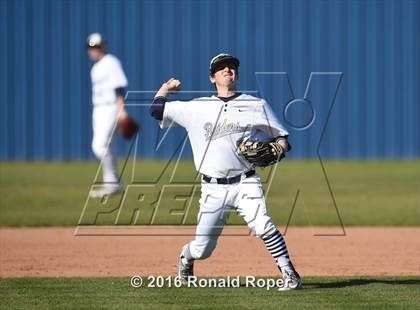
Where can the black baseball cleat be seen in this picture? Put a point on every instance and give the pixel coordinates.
(185, 267)
(291, 280)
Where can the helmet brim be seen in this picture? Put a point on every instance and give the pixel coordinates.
(221, 63)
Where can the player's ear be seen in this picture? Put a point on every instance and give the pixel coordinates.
(212, 80)
(104, 48)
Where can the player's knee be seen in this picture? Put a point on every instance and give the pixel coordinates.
(98, 149)
(263, 225)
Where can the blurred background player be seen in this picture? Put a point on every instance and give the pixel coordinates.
(108, 90)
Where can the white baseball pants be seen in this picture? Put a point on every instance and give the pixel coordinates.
(104, 121)
(217, 200)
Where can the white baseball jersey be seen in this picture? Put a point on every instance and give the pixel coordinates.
(215, 128)
(107, 75)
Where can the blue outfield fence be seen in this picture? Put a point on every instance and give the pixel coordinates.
(365, 54)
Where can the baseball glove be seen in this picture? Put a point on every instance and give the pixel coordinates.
(127, 127)
(261, 154)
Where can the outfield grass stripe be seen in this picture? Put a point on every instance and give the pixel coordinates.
(378, 193)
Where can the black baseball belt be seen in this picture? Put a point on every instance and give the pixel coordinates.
(232, 180)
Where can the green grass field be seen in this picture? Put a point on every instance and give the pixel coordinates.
(116, 293)
(366, 193)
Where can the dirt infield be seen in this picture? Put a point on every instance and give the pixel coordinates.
(55, 252)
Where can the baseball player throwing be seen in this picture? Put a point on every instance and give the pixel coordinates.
(230, 134)
(108, 87)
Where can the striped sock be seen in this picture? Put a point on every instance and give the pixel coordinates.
(277, 248)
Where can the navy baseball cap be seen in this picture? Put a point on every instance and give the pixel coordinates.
(218, 62)
(95, 40)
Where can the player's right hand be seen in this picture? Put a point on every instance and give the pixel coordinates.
(173, 85)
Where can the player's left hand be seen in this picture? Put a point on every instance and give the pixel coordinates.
(127, 126)
(261, 154)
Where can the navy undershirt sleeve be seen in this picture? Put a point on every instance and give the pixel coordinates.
(157, 107)
(120, 91)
